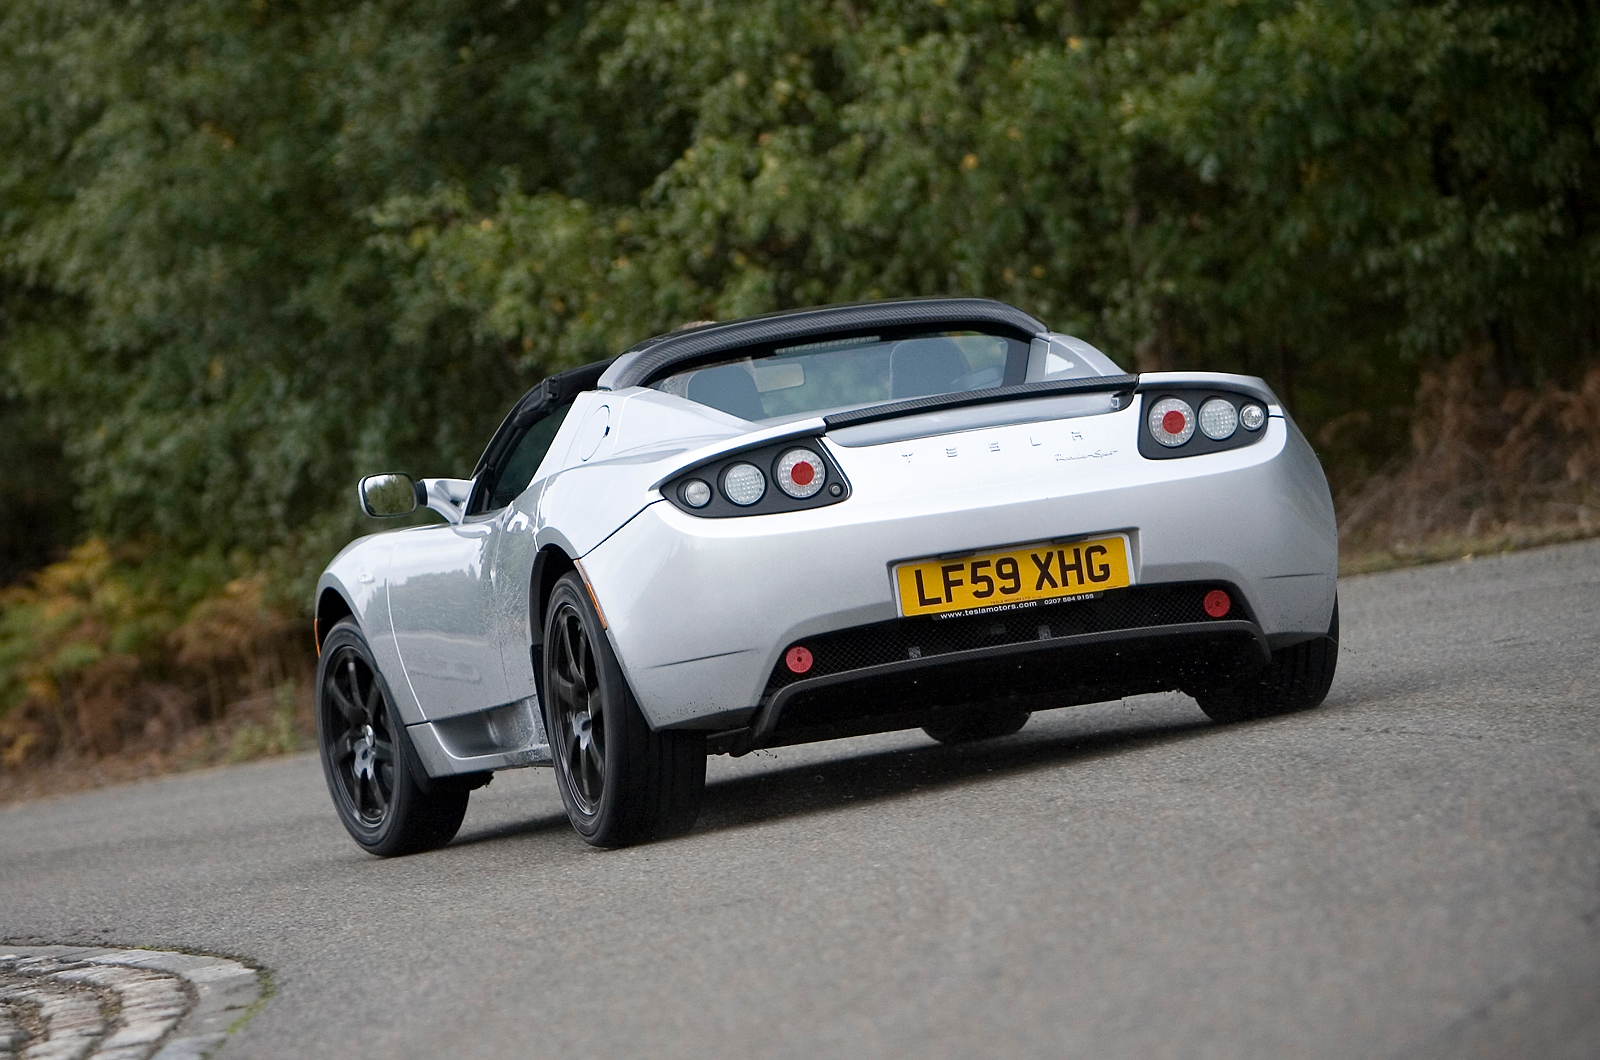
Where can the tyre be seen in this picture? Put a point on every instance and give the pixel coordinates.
(385, 801)
(621, 782)
(973, 725)
(1297, 678)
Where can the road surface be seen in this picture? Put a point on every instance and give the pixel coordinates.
(1411, 871)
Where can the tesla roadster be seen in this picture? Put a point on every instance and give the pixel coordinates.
(931, 514)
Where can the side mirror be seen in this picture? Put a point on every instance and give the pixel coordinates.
(386, 496)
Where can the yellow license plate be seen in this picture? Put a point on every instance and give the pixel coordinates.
(1014, 576)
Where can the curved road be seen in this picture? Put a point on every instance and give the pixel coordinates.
(1411, 871)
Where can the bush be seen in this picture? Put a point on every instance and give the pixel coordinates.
(109, 649)
(1484, 461)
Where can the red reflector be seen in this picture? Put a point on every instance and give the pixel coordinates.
(798, 659)
(1173, 422)
(802, 474)
(1217, 603)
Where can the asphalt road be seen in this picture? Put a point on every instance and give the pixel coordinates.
(1411, 871)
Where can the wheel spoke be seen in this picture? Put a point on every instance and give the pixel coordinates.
(353, 679)
(585, 664)
(374, 702)
(597, 766)
(383, 750)
(344, 747)
(569, 652)
(349, 710)
(588, 783)
(567, 690)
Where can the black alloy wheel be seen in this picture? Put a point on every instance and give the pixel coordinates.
(621, 782)
(580, 724)
(383, 798)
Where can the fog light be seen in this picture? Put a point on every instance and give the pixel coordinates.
(1252, 416)
(696, 494)
(1218, 603)
(798, 659)
(744, 484)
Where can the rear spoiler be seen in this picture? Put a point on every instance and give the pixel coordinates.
(938, 402)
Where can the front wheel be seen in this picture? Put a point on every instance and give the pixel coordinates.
(621, 782)
(1297, 678)
(383, 800)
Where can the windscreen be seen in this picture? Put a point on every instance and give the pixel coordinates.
(848, 373)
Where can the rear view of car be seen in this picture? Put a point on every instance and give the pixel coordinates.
(844, 520)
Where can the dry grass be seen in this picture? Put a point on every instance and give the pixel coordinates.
(1488, 470)
(260, 726)
(111, 667)
(1449, 547)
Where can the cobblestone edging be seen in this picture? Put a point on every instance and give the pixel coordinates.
(77, 1003)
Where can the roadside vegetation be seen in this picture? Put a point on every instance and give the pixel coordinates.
(250, 251)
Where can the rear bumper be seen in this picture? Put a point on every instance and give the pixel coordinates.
(1147, 638)
(700, 611)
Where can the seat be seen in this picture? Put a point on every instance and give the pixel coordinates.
(728, 388)
(919, 367)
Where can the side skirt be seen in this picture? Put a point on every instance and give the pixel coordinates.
(503, 737)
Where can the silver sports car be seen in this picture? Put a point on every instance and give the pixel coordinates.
(814, 524)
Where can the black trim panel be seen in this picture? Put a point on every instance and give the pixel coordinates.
(771, 710)
(546, 394)
(654, 356)
(1198, 444)
(774, 500)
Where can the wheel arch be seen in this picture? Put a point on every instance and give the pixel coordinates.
(331, 607)
(548, 567)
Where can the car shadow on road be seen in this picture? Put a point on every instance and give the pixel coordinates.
(556, 822)
(822, 786)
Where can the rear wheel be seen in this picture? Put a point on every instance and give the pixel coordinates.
(1297, 678)
(383, 798)
(970, 726)
(620, 782)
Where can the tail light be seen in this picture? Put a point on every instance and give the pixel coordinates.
(1218, 419)
(736, 484)
(1171, 422)
(1174, 429)
(744, 484)
(800, 473)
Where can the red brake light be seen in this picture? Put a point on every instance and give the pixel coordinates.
(1171, 421)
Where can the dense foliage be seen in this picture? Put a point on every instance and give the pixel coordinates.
(250, 249)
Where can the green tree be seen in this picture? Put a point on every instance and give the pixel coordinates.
(251, 250)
